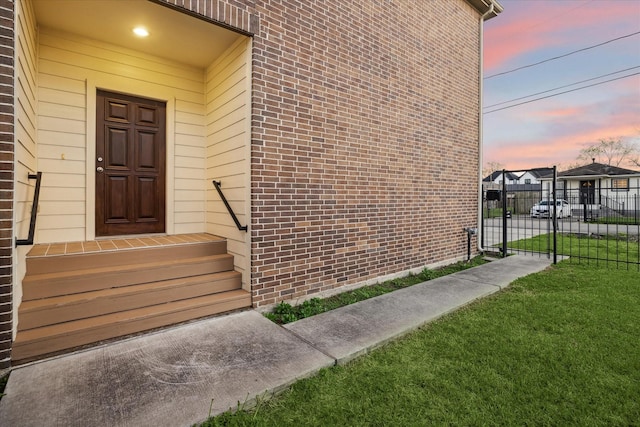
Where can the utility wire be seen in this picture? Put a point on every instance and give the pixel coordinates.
(561, 87)
(562, 56)
(561, 93)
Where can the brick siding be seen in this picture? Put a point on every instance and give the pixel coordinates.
(6, 178)
(364, 139)
(230, 13)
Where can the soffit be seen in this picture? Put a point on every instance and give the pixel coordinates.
(173, 35)
(483, 6)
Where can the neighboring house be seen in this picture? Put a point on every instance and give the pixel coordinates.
(528, 177)
(333, 128)
(533, 176)
(524, 188)
(496, 177)
(600, 187)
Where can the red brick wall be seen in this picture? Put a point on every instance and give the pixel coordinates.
(6, 178)
(364, 144)
(365, 140)
(234, 14)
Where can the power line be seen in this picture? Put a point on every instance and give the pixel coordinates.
(562, 56)
(561, 93)
(561, 87)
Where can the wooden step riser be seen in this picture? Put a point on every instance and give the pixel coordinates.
(27, 350)
(127, 298)
(46, 287)
(58, 263)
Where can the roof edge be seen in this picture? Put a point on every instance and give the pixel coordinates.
(591, 177)
(483, 6)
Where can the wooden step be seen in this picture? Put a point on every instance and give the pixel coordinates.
(112, 258)
(36, 286)
(48, 311)
(36, 343)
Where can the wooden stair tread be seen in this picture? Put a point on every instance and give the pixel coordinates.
(113, 319)
(34, 344)
(112, 258)
(120, 269)
(34, 305)
(57, 284)
(49, 311)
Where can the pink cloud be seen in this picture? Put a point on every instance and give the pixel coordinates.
(558, 150)
(560, 112)
(554, 130)
(555, 135)
(535, 25)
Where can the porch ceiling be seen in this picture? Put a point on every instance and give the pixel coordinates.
(173, 35)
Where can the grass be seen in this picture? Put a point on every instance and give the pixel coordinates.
(555, 348)
(493, 213)
(286, 313)
(618, 220)
(620, 248)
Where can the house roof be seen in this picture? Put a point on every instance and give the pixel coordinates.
(497, 174)
(597, 169)
(541, 172)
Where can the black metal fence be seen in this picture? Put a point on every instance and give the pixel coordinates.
(587, 220)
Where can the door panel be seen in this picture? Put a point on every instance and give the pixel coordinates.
(146, 210)
(147, 154)
(130, 165)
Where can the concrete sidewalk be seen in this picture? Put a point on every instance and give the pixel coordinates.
(173, 377)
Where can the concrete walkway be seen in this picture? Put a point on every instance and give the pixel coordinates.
(178, 376)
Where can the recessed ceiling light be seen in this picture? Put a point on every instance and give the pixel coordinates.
(140, 31)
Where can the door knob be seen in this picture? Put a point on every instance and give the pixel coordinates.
(100, 169)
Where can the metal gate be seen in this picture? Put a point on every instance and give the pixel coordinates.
(582, 219)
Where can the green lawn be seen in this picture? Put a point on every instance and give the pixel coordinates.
(618, 220)
(493, 212)
(610, 248)
(556, 348)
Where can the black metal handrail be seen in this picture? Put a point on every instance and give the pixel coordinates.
(34, 211)
(217, 184)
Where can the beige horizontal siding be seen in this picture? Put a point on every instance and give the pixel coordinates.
(228, 150)
(25, 148)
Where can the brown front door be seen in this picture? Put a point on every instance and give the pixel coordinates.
(130, 165)
(588, 192)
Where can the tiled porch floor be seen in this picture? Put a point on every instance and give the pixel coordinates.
(118, 244)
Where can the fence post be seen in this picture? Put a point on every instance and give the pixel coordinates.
(555, 216)
(482, 219)
(504, 213)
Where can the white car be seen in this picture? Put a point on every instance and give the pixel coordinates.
(541, 209)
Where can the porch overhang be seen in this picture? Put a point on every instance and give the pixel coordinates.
(177, 36)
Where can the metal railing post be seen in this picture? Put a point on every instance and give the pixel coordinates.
(34, 211)
(555, 216)
(217, 184)
(504, 213)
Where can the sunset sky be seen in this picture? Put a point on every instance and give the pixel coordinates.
(553, 130)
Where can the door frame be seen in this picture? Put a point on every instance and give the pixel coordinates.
(90, 175)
